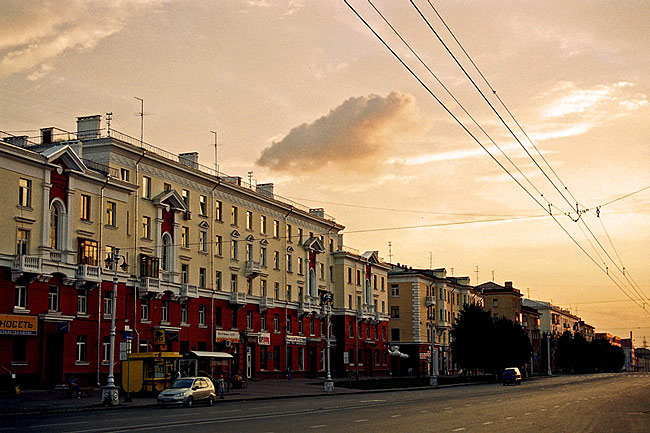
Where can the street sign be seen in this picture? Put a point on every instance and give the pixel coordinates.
(159, 336)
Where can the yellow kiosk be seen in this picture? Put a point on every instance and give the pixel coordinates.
(149, 371)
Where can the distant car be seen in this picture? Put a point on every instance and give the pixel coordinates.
(512, 375)
(187, 391)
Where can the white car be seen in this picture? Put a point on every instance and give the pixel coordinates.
(187, 391)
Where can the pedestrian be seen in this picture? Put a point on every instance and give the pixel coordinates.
(410, 371)
(288, 373)
(220, 386)
(178, 375)
(74, 387)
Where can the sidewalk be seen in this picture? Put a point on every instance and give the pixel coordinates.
(47, 401)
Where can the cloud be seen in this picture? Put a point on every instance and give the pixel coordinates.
(49, 29)
(356, 133)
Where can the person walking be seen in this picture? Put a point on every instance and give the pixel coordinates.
(220, 386)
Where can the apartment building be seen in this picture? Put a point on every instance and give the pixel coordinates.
(424, 303)
(502, 301)
(208, 263)
(530, 322)
(554, 320)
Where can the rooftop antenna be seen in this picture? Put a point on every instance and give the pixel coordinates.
(109, 117)
(430, 260)
(492, 276)
(528, 290)
(390, 253)
(141, 114)
(452, 272)
(216, 151)
(476, 274)
(250, 179)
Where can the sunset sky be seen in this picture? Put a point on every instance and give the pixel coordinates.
(305, 96)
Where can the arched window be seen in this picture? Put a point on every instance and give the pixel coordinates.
(166, 252)
(56, 225)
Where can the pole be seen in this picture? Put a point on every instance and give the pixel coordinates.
(110, 394)
(329, 384)
(433, 380)
(548, 358)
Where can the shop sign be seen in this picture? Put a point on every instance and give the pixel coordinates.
(232, 336)
(425, 355)
(18, 325)
(264, 339)
(159, 336)
(296, 339)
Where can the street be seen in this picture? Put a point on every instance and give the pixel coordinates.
(587, 403)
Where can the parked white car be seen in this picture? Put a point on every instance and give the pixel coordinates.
(187, 391)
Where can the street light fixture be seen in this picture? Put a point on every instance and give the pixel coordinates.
(433, 380)
(327, 301)
(110, 392)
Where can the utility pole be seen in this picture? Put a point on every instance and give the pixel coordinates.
(390, 253)
(216, 151)
(141, 119)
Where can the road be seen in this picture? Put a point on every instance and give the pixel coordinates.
(588, 403)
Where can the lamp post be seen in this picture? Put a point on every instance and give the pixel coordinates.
(110, 392)
(433, 379)
(327, 301)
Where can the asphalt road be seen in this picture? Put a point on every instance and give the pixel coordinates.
(588, 403)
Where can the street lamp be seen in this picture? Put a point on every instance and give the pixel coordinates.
(327, 301)
(433, 380)
(110, 392)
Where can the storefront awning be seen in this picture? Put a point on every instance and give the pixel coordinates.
(217, 355)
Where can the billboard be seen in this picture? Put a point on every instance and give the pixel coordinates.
(18, 324)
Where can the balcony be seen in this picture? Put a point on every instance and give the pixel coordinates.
(56, 256)
(238, 298)
(189, 291)
(305, 307)
(149, 286)
(266, 303)
(253, 269)
(430, 301)
(27, 265)
(87, 274)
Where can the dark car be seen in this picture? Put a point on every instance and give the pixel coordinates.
(187, 391)
(512, 375)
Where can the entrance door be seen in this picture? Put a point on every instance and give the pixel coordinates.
(53, 359)
(313, 362)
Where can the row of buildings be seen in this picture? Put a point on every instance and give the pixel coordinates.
(209, 267)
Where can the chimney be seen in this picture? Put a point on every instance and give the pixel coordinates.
(47, 135)
(265, 189)
(319, 212)
(233, 179)
(88, 127)
(189, 159)
(508, 284)
(20, 140)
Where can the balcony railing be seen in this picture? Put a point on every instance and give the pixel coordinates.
(189, 291)
(430, 301)
(266, 303)
(87, 273)
(305, 307)
(238, 298)
(252, 268)
(31, 264)
(149, 285)
(56, 256)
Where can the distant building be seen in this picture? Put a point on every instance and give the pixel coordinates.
(612, 339)
(554, 320)
(642, 359)
(627, 344)
(502, 301)
(587, 331)
(530, 322)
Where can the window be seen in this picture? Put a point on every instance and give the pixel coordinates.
(288, 292)
(394, 334)
(234, 249)
(495, 303)
(218, 211)
(300, 236)
(301, 358)
(186, 197)
(249, 286)
(82, 348)
(263, 322)
(300, 326)
(289, 331)
(383, 306)
(394, 312)
(233, 283)
(218, 280)
(203, 205)
(289, 233)
(166, 252)
(53, 298)
(124, 174)
(263, 256)
(263, 224)
(82, 301)
(88, 252)
(332, 274)
(219, 245)
(263, 288)
(358, 277)
(350, 301)
(20, 300)
(110, 213)
(374, 282)
(167, 186)
(56, 226)
(321, 271)
(164, 311)
(249, 252)
(149, 266)
(144, 309)
(263, 358)
(203, 241)
(394, 290)
(311, 325)
(349, 275)
(382, 284)
(289, 265)
(22, 242)
(25, 193)
(19, 349)
(233, 319)
(300, 266)
(85, 207)
(108, 304)
(185, 273)
(202, 315)
(203, 276)
(218, 316)
(146, 227)
(276, 259)
(249, 319)
(185, 237)
(249, 220)
(276, 290)
(234, 216)
(146, 187)
(350, 329)
(276, 229)
(106, 348)
(184, 312)
(331, 245)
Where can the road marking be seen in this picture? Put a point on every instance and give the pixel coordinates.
(459, 429)
(527, 413)
(424, 411)
(500, 399)
(556, 406)
(371, 401)
(64, 423)
(487, 423)
(360, 420)
(395, 416)
(319, 426)
(543, 409)
(447, 408)
(509, 417)
(467, 405)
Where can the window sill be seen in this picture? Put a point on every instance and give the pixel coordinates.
(110, 227)
(183, 247)
(145, 239)
(27, 208)
(88, 222)
(19, 363)
(145, 322)
(185, 325)
(164, 323)
(20, 310)
(106, 317)
(83, 363)
(203, 326)
(203, 253)
(104, 363)
(83, 316)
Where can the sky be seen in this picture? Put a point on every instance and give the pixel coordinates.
(305, 96)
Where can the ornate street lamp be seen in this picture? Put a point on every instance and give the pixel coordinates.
(433, 380)
(110, 392)
(327, 301)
